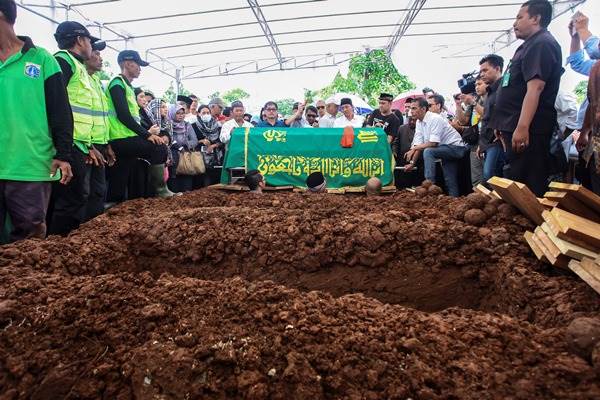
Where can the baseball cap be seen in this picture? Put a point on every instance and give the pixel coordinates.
(99, 45)
(72, 29)
(131, 55)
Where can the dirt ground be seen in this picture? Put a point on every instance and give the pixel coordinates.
(288, 296)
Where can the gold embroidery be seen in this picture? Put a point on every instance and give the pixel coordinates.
(332, 167)
(273, 135)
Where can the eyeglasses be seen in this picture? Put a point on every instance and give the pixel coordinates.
(271, 109)
(311, 116)
(320, 107)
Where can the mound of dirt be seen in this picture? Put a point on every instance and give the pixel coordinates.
(217, 295)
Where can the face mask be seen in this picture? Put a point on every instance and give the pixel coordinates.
(206, 118)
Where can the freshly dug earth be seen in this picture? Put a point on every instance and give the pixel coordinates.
(216, 295)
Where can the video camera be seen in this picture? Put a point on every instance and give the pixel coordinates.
(467, 83)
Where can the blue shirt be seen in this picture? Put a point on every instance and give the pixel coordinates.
(264, 124)
(577, 60)
(579, 64)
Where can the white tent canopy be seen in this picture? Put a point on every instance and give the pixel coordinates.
(193, 42)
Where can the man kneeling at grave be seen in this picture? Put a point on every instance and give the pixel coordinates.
(255, 181)
(316, 183)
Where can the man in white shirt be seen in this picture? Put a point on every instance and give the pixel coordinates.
(348, 118)
(238, 121)
(329, 118)
(437, 139)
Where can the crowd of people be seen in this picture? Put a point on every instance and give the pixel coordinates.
(87, 145)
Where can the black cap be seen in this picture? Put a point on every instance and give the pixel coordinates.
(386, 97)
(71, 29)
(99, 45)
(131, 55)
(346, 100)
(185, 99)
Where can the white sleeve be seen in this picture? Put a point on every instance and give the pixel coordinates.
(225, 135)
(418, 138)
(436, 130)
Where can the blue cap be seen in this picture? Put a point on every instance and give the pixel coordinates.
(131, 55)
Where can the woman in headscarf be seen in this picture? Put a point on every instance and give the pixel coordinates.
(208, 131)
(140, 97)
(183, 139)
(589, 139)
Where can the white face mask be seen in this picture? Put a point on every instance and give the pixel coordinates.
(206, 118)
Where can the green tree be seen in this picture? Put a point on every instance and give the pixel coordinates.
(369, 75)
(235, 94)
(309, 95)
(170, 96)
(581, 91)
(214, 95)
(285, 106)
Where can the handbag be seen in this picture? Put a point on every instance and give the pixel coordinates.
(190, 163)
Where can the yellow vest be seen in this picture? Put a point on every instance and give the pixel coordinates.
(101, 128)
(82, 98)
(117, 129)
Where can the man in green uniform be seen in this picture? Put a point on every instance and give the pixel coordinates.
(35, 145)
(69, 202)
(128, 138)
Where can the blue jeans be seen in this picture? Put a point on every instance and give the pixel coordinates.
(450, 155)
(493, 162)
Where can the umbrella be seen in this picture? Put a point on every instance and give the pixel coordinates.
(400, 100)
(361, 107)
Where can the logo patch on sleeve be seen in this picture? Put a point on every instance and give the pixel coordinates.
(32, 70)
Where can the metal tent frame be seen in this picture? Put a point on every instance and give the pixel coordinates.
(173, 67)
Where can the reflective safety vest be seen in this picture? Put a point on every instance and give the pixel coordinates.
(117, 129)
(82, 98)
(101, 128)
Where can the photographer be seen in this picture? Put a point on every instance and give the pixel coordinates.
(469, 109)
(490, 148)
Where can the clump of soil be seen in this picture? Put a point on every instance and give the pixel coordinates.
(475, 217)
(217, 295)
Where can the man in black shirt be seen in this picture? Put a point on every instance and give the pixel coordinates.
(384, 117)
(524, 112)
(490, 147)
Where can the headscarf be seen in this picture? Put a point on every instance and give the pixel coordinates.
(178, 127)
(210, 127)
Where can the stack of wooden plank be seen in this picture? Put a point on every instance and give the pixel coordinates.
(567, 235)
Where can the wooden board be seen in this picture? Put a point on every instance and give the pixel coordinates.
(496, 195)
(519, 196)
(586, 196)
(534, 247)
(567, 201)
(232, 188)
(548, 244)
(567, 248)
(587, 270)
(577, 229)
(547, 203)
(482, 190)
(278, 188)
(560, 262)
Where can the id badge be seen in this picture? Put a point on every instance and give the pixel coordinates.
(506, 79)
